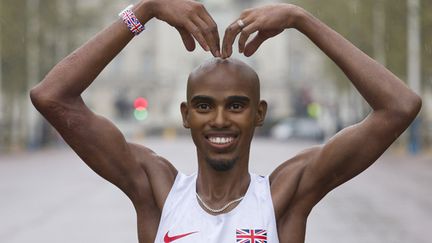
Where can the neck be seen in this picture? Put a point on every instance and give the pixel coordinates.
(219, 187)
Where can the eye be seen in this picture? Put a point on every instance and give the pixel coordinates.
(236, 107)
(202, 107)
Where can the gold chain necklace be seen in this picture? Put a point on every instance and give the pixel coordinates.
(219, 209)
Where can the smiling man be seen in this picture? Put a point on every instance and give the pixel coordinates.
(223, 202)
(223, 107)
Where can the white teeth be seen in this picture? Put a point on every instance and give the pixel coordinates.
(221, 140)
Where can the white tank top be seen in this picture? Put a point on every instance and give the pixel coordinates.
(184, 221)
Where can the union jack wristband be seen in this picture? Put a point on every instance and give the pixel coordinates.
(131, 21)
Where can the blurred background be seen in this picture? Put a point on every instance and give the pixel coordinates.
(298, 81)
(309, 99)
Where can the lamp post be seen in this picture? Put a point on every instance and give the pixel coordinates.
(414, 67)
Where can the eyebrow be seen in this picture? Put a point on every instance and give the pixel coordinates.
(241, 98)
(201, 98)
(210, 99)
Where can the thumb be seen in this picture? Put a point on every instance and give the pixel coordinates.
(254, 44)
(187, 39)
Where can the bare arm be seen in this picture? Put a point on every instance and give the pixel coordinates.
(318, 170)
(95, 139)
(394, 107)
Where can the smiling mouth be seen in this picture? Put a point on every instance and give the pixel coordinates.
(220, 140)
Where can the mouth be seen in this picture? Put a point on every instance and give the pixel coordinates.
(221, 141)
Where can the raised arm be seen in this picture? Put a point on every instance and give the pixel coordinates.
(95, 139)
(394, 107)
(355, 148)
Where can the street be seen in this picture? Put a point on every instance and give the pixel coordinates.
(50, 196)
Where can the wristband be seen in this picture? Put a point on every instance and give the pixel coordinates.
(131, 21)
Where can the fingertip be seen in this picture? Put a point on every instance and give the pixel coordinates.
(229, 52)
(218, 54)
(248, 52)
(224, 53)
(242, 43)
(190, 46)
(187, 39)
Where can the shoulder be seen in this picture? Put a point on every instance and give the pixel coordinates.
(158, 177)
(286, 179)
(148, 159)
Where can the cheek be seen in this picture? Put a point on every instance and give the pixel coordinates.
(196, 136)
(247, 126)
(196, 125)
(197, 121)
(245, 120)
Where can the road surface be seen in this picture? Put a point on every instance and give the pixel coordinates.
(50, 196)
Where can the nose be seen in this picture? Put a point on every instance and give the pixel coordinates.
(220, 118)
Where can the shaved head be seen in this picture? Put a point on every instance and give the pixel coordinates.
(224, 72)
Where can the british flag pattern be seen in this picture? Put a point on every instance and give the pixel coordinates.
(132, 22)
(251, 236)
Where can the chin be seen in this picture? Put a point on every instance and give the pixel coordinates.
(222, 164)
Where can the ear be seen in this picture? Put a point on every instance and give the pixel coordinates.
(184, 109)
(261, 113)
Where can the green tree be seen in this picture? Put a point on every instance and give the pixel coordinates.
(14, 74)
(34, 35)
(426, 29)
(357, 20)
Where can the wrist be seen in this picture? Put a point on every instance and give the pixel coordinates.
(298, 17)
(144, 10)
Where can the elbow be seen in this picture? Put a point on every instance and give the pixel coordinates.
(41, 99)
(414, 106)
(51, 104)
(418, 104)
(37, 97)
(408, 109)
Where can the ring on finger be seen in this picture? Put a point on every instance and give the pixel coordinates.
(241, 23)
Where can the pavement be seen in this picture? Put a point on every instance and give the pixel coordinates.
(50, 196)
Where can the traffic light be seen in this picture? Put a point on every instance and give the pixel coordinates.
(140, 112)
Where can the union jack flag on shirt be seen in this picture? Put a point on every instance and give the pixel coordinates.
(251, 236)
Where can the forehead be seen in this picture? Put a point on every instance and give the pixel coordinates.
(222, 80)
(220, 83)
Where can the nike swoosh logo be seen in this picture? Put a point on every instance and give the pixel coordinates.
(168, 239)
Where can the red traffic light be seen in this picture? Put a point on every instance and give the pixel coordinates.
(140, 103)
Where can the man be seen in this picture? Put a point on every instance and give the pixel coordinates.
(223, 202)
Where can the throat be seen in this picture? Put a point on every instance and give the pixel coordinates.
(218, 195)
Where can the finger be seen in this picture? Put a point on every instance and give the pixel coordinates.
(244, 36)
(196, 33)
(212, 33)
(206, 31)
(253, 45)
(187, 39)
(230, 34)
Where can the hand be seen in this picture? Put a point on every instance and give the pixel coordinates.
(192, 20)
(269, 21)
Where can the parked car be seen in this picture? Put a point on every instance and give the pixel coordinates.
(297, 128)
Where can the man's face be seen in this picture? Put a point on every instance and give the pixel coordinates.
(222, 111)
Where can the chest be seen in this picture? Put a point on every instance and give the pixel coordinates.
(187, 222)
(222, 228)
